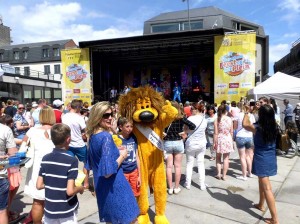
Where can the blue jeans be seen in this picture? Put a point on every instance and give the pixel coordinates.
(4, 190)
(244, 142)
(174, 147)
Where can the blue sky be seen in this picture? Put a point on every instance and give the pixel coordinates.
(35, 21)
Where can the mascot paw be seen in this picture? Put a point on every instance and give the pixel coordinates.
(161, 219)
(144, 219)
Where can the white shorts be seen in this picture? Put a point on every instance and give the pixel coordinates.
(69, 220)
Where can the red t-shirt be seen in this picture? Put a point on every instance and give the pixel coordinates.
(187, 110)
(58, 114)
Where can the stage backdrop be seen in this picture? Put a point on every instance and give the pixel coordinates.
(234, 65)
(76, 79)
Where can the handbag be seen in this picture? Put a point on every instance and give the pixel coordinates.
(283, 141)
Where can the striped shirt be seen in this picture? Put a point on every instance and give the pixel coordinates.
(56, 169)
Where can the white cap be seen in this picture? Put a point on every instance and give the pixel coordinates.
(298, 104)
(58, 103)
(34, 104)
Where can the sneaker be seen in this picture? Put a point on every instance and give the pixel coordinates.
(170, 191)
(250, 175)
(177, 190)
(203, 187)
(241, 178)
(187, 186)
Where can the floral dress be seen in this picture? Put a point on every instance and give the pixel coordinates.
(224, 138)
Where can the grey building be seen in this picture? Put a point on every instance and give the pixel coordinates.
(37, 70)
(290, 64)
(5, 38)
(173, 45)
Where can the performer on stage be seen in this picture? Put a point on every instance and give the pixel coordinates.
(177, 92)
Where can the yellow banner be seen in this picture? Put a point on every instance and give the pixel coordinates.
(76, 80)
(234, 66)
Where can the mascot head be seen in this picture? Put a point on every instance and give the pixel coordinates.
(142, 105)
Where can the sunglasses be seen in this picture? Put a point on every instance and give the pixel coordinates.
(107, 115)
(20, 108)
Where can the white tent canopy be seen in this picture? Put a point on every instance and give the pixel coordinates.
(277, 83)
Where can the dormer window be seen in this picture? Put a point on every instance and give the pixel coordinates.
(46, 53)
(16, 55)
(25, 54)
(56, 52)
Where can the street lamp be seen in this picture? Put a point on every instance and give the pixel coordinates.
(188, 6)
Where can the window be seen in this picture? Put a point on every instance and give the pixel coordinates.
(16, 55)
(46, 53)
(25, 54)
(56, 69)
(195, 25)
(1, 56)
(160, 28)
(17, 70)
(26, 71)
(47, 69)
(56, 52)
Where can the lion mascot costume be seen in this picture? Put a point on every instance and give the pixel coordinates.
(150, 114)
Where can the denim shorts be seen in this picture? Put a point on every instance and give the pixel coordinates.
(175, 147)
(244, 142)
(4, 190)
(80, 153)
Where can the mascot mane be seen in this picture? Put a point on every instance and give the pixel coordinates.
(127, 102)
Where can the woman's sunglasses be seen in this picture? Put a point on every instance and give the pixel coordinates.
(107, 115)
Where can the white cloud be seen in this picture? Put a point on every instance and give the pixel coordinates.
(278, 51)
(291, 35)
(47, 21)
(96, 15)
(291, 9)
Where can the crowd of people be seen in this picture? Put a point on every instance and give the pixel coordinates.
(56, 134)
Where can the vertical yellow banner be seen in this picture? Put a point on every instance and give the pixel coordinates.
(234, 66)
(76, 80)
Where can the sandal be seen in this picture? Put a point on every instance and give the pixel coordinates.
(269, 220)
(13, 216)
(259, 207)
(218, 177)
(28, 219)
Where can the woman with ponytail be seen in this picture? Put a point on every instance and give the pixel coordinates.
(223, 141)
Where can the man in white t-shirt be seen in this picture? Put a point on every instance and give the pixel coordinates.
(77, 125)
(113, 94)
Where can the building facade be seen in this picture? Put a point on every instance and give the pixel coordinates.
(290, 64)
(36, 70)
(173, 48)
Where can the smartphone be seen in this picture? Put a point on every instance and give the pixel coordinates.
(252, 103)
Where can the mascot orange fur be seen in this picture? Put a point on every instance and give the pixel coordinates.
(148, 109)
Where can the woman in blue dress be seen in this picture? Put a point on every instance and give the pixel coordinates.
(264, 161)
(116, 202)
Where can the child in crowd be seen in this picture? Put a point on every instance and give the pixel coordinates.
(131, 165)
(60, 205)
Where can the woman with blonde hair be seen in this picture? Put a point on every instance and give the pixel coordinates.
(174, 147)
(104, 158)
(41, 144)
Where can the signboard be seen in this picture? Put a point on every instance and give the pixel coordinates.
(76, 79)
(7, 69)
(234, 66)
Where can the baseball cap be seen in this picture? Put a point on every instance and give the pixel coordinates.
(34, 104)
(58, 103)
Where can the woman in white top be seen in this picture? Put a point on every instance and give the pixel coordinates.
(195, 146)
(244, 143)
(41, 142)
